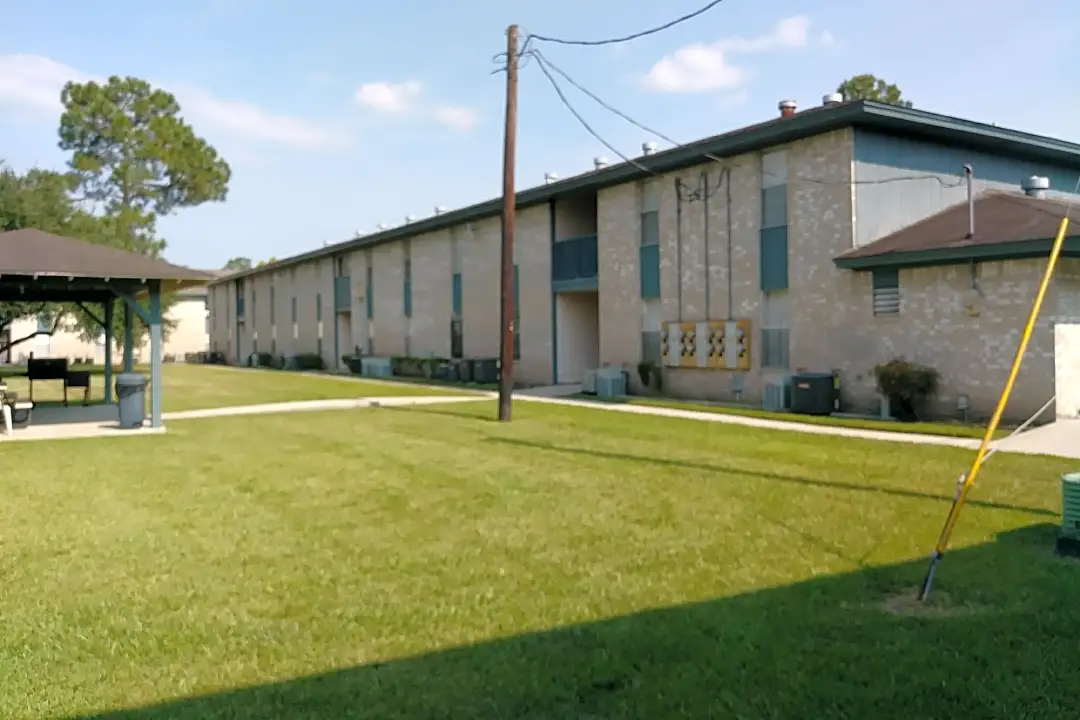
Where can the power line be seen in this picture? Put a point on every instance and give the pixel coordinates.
(544, 61)
(627, 38)
(542, 64)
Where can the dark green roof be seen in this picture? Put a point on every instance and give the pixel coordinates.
(814, 121)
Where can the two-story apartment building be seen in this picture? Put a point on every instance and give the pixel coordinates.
(719, 260)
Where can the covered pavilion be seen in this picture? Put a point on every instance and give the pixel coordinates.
(36, 266)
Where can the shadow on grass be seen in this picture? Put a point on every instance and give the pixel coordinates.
(996, 642)
(794, 479)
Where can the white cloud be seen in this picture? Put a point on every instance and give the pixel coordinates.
(459, 118)
(704, 67)
(31, 84)
(388, 98)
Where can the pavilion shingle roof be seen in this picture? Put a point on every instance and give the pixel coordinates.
(1000, 217)
(33, 252)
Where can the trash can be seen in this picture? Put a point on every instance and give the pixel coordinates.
(131, 399)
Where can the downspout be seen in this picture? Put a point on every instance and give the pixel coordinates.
(705, 229)
(678, 244)
(726, 179)
(554, 298)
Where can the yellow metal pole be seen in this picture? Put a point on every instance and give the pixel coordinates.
(995, 419)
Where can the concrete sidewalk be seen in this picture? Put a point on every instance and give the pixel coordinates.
(762, 423)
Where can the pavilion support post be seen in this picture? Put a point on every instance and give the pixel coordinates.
(155, 354)
(110, 307)
(129, 351)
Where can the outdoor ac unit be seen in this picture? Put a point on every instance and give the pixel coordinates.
(610, 383)
(588, 385)
(777, 396)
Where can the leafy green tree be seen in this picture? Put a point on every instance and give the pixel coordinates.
(135, 159)
(39, 199)
(869, 87)
(237, 264)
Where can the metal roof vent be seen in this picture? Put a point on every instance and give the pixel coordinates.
(600, 162)
(410, 219)
(439, 209)
(550, 177)
(832, 99)
(648, 148)
(380, 227)
(1036, 186)
(787, 108)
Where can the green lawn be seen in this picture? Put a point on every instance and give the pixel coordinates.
(196, 387)
(947, 429)
(432, 563)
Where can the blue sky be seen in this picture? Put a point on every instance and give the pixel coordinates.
(336, 116)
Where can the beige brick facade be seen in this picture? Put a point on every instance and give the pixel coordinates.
(967, 335)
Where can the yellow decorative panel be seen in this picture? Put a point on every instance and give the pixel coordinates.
(688, 344)
(728, 345)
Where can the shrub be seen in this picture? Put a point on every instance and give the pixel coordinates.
(308, 361)
(266, 360)
(649, 374)
(907, 386)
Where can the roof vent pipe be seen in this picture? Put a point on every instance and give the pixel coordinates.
(787, 108)
(550, 177)
(969, 178)
(832, 99)
(600, 162)
(439, 209)
(1036, 186)
(648, 148)
(410, 219)
(380, 227)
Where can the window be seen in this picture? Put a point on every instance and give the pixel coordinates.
(272, 303)
(651, 326)
(339, 266)
(369, 289)
(649, 253)
(455, 295)
(407, 284)
(886, 291)
(294, 309)
(775, 333)
(318, 308)
(44, 325)
(457, 348)
(774, 222)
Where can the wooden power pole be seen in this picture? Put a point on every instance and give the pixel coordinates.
(506, 286)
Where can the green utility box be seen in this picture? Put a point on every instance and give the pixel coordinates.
(1070, 506)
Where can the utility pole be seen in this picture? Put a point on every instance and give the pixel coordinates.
(506, 286)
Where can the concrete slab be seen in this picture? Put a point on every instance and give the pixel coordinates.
(1060, 438)
(99, 421)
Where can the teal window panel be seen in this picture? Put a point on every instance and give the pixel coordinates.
(318, 307)
(294, 309)
(650, 228)
(456, 293)
(650, 271)
(369, 292)
(273, 302)
(774, 207)
(407, 292)
(774, 259)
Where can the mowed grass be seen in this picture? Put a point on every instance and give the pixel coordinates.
(945, 429)
(432, 563)
(197, 387)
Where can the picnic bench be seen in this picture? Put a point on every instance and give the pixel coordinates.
(14, 411)
(39, 369)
